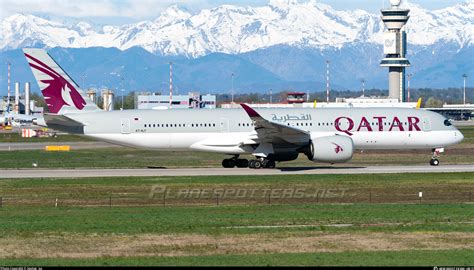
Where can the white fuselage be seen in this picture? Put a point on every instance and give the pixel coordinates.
(230, 131)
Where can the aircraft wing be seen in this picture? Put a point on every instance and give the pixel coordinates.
(275, 133)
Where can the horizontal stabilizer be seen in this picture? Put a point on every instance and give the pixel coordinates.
(64, 123)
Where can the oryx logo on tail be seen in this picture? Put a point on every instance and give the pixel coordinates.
(58, 92)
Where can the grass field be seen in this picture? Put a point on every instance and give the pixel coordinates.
(235, 232)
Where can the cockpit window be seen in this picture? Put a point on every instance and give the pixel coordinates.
(447, 123)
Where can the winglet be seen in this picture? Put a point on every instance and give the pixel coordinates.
(251, 112)
(418, 104)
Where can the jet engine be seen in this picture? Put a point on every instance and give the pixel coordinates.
(331, 149)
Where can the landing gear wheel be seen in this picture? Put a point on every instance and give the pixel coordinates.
(257, 164)
(434, 162)
(252, 164)
(242, 163)
(436, 154)
(270, 164)
(228, 163)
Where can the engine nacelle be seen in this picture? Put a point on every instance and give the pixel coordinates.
(331, 149)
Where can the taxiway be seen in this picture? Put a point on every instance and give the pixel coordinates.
(82, 173)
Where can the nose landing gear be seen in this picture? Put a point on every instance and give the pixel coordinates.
(435, 158)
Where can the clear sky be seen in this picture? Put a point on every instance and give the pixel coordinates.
(124, 11)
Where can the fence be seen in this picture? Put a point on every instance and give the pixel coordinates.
(261, 197)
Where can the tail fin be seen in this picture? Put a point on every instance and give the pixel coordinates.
(61, 93)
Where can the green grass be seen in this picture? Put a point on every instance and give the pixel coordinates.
(438, 187)
(216, 220)
(468, 132)
(43, 224)
(107, 158)
(136, 158)
(180, 216)
(461, 257)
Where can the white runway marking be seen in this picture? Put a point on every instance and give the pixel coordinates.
(81, 173)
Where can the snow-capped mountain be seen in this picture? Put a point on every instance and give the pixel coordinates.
(236, 30)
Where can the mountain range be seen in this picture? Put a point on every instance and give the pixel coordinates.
(282, 45)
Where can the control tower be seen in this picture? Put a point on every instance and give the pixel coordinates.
(394, 49)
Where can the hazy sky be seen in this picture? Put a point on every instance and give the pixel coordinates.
(123, 11)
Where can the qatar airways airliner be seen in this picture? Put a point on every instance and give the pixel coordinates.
(329, 135)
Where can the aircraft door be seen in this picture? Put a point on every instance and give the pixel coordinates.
(426, 124)
(125, 125)
(224, 122)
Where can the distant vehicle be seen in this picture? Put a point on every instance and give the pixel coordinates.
(328, 135)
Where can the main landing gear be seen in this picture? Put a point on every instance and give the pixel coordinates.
(435, 158)
(244, 163)
(262, 163)
(235, 161)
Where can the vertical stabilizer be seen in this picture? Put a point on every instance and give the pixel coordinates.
(61, 93)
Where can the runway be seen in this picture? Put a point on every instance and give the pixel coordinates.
(83, 173)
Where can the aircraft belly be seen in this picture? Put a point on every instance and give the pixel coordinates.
(227, 143)
(211, 142)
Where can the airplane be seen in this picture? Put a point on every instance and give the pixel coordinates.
(329, 135)
(22, 120)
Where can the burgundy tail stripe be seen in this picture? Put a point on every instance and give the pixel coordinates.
(42, 64)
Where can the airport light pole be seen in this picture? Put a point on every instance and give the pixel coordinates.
(121, 89)
(232, 91)
(363, 87)
(8, 93)
(327, 80)
(171, 84)
(271, 96)
(408, 87)
(464, 96)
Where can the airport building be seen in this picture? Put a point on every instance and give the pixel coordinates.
(193, 100)
(297, 100)
(20, 102)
